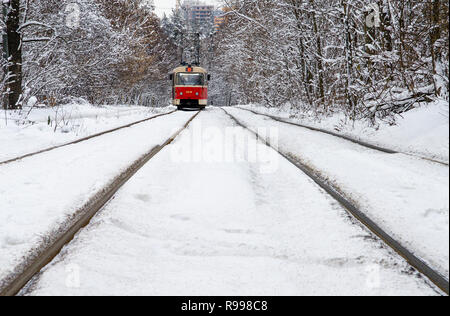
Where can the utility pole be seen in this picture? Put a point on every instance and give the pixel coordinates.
(5, 49)
(198, 49)
(182, 49)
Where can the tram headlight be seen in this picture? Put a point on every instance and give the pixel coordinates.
(196, 93)
(181, 93)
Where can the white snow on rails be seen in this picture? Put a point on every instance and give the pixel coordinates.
(65, 189)
(206, 218)
(350, 139)
(309, 160)
(83, 139)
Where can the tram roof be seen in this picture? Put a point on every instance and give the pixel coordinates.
(185, 69)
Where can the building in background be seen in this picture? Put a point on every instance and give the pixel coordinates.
(198, 14)
(220, 18)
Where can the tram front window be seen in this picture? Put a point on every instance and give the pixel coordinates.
(190, 79)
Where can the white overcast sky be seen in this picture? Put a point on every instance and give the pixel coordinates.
(166, 6)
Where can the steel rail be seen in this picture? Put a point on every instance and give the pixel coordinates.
(32, 266)
(83, 139)
(348, 138)
(433, 275)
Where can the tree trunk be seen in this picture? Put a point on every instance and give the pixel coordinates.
(386, 25)
(14, 73)
(370, 36)
(348, 59)
(401, 45)
(435, 35)
(306, 74)
(319, 55)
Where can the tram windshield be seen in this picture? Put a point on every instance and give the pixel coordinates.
(191, 79)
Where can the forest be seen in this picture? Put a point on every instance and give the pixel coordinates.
(365, 59)
(105, 51)
(368, 60)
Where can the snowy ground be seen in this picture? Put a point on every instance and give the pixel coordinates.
(40, 193)
(423, 131)
(22, 133)
(408, 197)
(197, 220)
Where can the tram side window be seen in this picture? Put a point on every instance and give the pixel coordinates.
(190, 79)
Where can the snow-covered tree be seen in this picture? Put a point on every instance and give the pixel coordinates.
(101, 50)
(364, 59)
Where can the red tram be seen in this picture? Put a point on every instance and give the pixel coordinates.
(189, 87)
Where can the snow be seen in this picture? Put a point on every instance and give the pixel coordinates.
(40, 193)
(22, 133)
(185, 226)
(423, 131)
(407, 196)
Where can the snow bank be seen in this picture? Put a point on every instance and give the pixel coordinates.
(204, 227)
(39, 194)
(423, 130)
(407, 196)
(26, 131)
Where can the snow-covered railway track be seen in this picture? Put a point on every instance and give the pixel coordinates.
(84, 138)
(425, 269)
(348, 138)
(32, 265)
